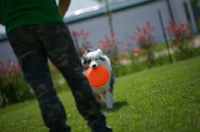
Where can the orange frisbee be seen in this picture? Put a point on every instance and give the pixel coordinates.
(97, 76)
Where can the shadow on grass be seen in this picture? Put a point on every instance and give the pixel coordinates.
(116, 106)
(192, 99)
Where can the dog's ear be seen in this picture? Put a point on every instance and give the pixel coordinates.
(89, 50)
(101, 57)
(99, 52)
(85, 54)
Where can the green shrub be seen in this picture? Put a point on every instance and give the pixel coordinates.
(143, 37)
(137, 65)
(186, 54)
(13, 87)
(125, 69)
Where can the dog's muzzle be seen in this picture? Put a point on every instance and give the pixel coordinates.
(94, 66)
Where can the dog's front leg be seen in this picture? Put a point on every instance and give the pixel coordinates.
(109, 99)
(98, 97)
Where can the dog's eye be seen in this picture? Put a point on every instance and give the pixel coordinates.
(88, 61)
(85, 61)
(96, 58)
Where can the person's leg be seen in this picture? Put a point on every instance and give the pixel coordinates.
(60, 48)
(33, 62)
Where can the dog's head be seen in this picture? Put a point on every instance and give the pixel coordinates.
(92, 58)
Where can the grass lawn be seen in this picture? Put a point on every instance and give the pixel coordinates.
(157, 100)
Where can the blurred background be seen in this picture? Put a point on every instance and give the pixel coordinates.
(96, 19)
(135, 34)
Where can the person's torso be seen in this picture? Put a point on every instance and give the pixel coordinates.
(16, 13)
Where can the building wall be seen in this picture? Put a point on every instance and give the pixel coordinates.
(6, 52)
(124, 23)
(179, 13)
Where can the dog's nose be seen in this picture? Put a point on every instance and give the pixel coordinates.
(93, 66)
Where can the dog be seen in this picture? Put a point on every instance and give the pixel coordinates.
(103, 94)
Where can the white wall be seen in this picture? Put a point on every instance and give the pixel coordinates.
(125, 21)
(6, 52)
(179, 13)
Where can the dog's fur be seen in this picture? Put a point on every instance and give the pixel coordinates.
(92, 59)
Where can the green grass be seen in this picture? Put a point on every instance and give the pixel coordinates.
(156, 100)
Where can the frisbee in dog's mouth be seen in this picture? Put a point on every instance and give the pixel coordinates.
(97, 76)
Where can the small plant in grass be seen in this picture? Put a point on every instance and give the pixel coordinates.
(180, 36)
(131, 52)
(109, 45)
(13, 87)
(80, 41)
(120, 53)
(145, 40)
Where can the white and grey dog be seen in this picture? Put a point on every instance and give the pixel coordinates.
(92, 59)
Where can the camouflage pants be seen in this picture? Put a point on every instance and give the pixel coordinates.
(32, 46)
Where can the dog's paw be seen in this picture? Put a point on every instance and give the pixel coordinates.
(106, 104)
(109, 106)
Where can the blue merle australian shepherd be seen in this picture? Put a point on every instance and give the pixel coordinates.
(92, 59)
